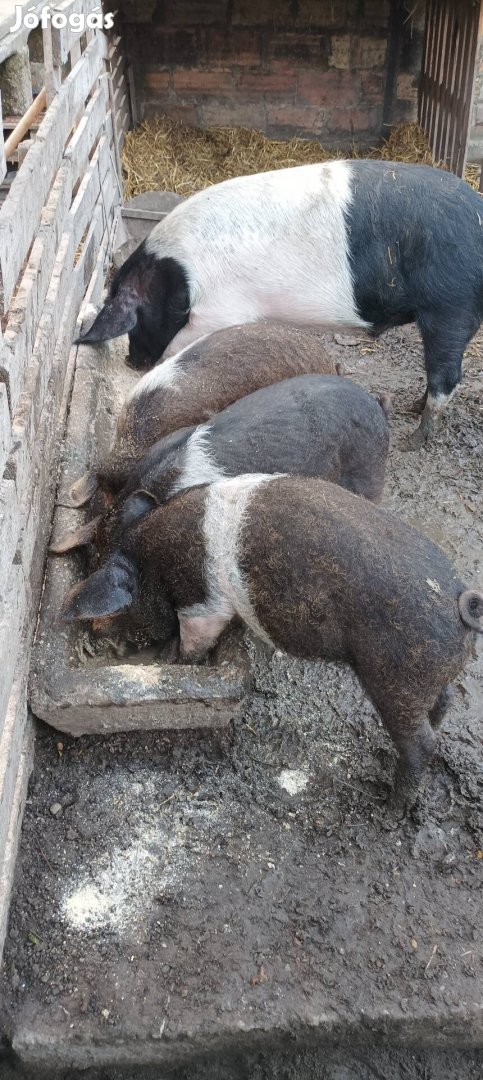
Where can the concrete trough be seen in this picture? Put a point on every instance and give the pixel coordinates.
(80, 694)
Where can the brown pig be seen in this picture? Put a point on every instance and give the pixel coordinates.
(311, 569)
(311, 425)
(203, 379)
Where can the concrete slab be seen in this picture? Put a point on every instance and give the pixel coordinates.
(188, 899)
(139, 215)
(69, 689)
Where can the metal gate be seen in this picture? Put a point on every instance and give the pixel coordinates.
(447, 78)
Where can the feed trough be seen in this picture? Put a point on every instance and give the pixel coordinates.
(80, 693)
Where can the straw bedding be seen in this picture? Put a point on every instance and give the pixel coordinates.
(161, 154)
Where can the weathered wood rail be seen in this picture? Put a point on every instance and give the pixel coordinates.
(57, 227)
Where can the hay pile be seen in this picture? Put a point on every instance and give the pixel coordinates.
(161, 154)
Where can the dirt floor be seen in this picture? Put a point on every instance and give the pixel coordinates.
(190, 894)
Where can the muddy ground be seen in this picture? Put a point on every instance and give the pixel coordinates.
(191, 899)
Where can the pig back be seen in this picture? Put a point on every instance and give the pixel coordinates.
(331, 576)
(215, 372)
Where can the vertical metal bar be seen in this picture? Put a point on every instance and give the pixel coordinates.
(464, 30)
(436, 63)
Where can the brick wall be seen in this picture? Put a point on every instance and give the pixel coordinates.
(316, 68)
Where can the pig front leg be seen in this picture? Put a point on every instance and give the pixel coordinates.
(199, 631)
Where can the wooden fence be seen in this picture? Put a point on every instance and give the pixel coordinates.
(57, 228)
(447, 78)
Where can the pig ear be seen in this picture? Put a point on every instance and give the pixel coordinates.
(77, 538)
(83, 489)
(136, 506)
(111, 589)
(117, 317)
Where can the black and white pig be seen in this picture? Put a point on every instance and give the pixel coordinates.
(310, 569)
(202, 380)
(312, 425)
(365, 244)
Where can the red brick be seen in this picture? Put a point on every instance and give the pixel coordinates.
(368, 52)
(404, 112)
(323, 13)
(372, 87)
(196, 81)
(237, 113)
(138, 11)
(279, 82)
(296, 48)
(163, 47)
(262, 13)
(340, 46)
(296, 118)
(184, 114)
(194, 12)
(377, 11)
(157, 80)
(354, 120)
(234, 47)
(329, 87)
(407, 87)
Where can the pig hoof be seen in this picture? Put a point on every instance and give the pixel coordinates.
(416, 440)
(401, 800)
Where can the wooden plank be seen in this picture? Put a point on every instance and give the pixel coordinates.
(9, 527)
(95, 286)
(36, 515)
(444, 16)
(3, 163)
(5, 427)
(81, 210)
(20, 213)
(462, 118)
(26, 307)
(87, 131)
(137, 214)
(434, 66)
(444, 103)
(12, 728)
(464, 31)
(431, 30)
(12, 616)
(16, 748)
(52, 73)
(428, 30)
(27, 416)
(63, 38)
(132, 95)
(63, 286)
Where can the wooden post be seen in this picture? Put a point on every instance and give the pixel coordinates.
(25, 123)
(3, 163)
(52, 73)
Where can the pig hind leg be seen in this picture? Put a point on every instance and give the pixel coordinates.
(445, 337)
(415, 740)
(441, 706)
